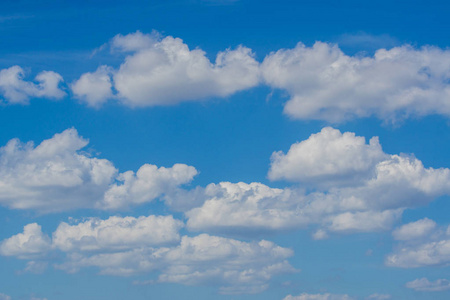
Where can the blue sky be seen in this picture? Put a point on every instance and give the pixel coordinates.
(229, 149)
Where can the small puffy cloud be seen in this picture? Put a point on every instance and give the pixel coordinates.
(56, 176)
(148, 183)
(367, 191)
(117, 233)
(16, 90)
(328, 158)
(31, 243)
(424, 285)
(94, 88)
(414, 230)
(429, 246)
(326, 84)
(327, 296)
(134, 41)
(164, 71)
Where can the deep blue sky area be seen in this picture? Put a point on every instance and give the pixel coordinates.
(228, 127)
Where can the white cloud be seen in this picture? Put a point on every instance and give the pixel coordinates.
(328, 158)
(429, 246)
(56, 176)
(94, 88)
(376, 189)
(117, 233)
(424, 284)
(414, 230)
(327, 296)
(148, 183)
(52, 176)
(27, 245)
(237, 266)
(326, 84)
(241, 207)
(165, 72)
(16, 90)
(427, 254)
(364, 221)
(130, 246)
(134, 41)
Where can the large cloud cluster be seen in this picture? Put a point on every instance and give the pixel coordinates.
(323, 82)
(355, 187)
(326, 84)
(128, 246)
(165, 72)
(56, 176)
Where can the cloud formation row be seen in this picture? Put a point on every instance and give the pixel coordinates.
(145, 245)
(322, 82)
(339, 184)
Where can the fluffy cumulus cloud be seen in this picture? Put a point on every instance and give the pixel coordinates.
(423, 284)
(117, 233)
(4, 297)
(164, 71)
(94, 88)
(128, 246)
(56, 176)
(241, 209)
(366, 191)
(29, 244)
(148, 183)
(328, 158)
(15, 90)
(428, 246)
(237, 266)
(327, 296)
(326, 84)
(234, 266)
(414, 230)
